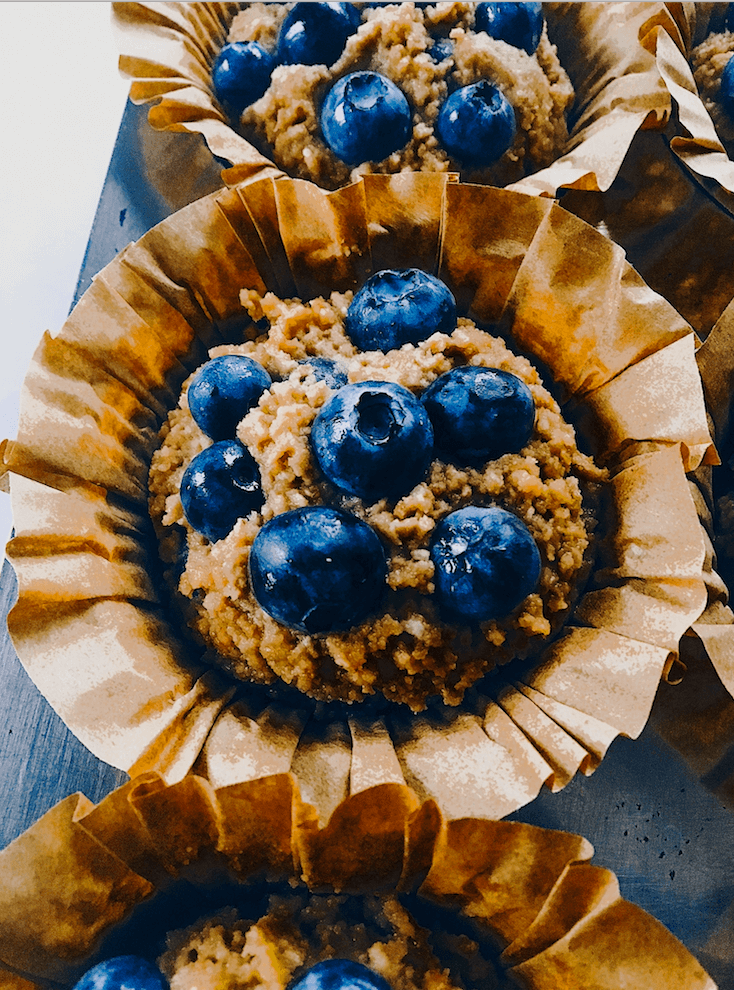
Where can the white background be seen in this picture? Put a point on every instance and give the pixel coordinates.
(62, 101)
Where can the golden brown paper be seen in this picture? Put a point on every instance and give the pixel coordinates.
(74, 915)
(167, 50)
(692, 251)
(618, 86)
(696, 142)
(585, 957)
(715, 360)
(138, 697)
(532, 890)
(715, 627)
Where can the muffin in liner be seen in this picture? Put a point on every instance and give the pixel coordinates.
(167, 50)
(90, 626)
(77, 880)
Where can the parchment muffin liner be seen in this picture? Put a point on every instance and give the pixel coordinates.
(89, 625)
(167, 50)
(696, 144)
(692, 139)
(671, 204)
(72, 882)
(706, 742)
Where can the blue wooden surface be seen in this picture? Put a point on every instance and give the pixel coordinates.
(665, 835)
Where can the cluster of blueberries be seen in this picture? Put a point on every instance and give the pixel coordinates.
(319, 569)
(136, 973)
(365, 116)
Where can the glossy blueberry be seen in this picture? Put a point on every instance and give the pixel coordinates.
(315, 33)
(399, 307)
(486, 562)
(364, 118)
(317, 569)
(476, 124)
(241, 74)
(327, 370)
(519, 24)
(479, 414)
(123, 973)
(340, 974)
(373, 440)
(222, 391)
(726, 93)
(220, 486)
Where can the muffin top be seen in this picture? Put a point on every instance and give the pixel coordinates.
(394, 521)
(330, 91)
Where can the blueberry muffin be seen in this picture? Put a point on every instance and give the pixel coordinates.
(373, 496)
(330, 91)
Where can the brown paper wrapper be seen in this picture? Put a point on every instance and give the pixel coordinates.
(167, 50)
(671, 204)
(558, 918)
(89, 626)
(715, 627)
(695, 143)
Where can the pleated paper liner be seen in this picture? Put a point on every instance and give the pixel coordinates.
(671, 204)
(696, 144)
(167, 50)
(698, 720)
(89, 625)
(73, 883)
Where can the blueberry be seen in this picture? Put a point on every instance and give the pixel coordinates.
(222, 391)
(220, 486)
(364, 118)
(315, 33)
(476, 124)
(123, 973)
(399, 307)
(373, 440)
(479, 414)
(486, 563)
(726, 93)
(241, 74)
(317, 569)
(519, 24)
(327, 370)
(340, 974)
(442, 49)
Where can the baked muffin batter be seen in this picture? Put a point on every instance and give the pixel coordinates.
(301, 930)
(404, 650)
